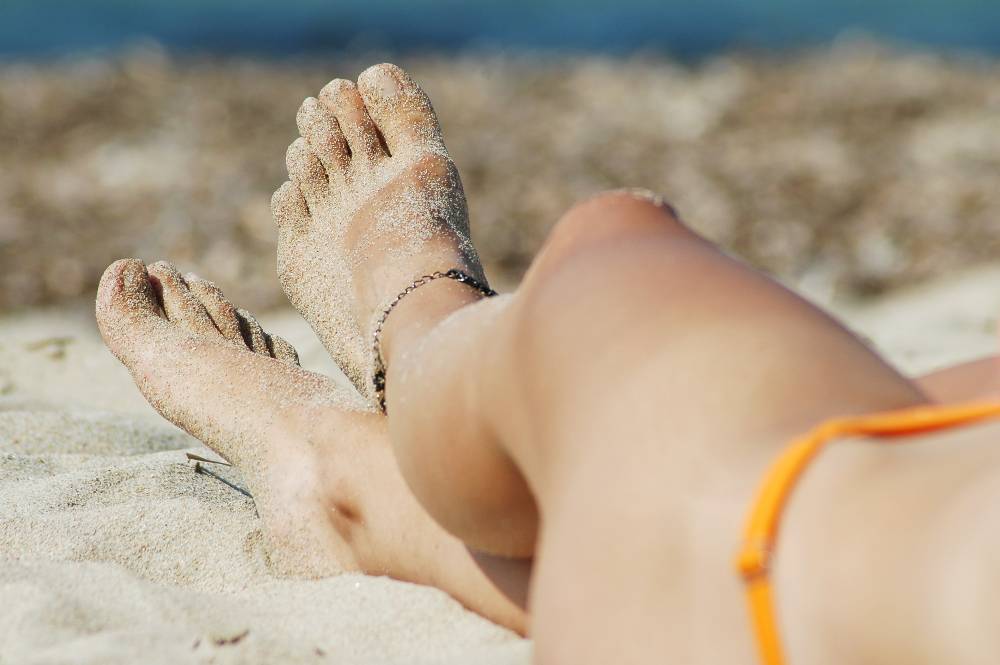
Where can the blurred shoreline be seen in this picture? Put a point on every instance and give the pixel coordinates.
(688, 30)
(846, 171)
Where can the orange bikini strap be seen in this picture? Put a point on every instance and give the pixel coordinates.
(761, 530)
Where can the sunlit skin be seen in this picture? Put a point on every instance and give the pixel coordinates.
(635, 388)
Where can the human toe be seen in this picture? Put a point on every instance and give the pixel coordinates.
(179, 304)
(400, 108)
(342, 98)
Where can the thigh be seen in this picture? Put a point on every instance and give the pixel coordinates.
(651, 379)
(637, 369)
(632, 330)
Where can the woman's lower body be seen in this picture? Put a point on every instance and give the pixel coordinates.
(584, 448)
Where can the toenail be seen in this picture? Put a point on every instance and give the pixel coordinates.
(386, 84)
(133, 278)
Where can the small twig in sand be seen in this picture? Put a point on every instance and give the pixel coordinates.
(55, 347)
(199, 458)
(226, 641)
(198, 468)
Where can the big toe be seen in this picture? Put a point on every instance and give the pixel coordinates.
(400, 108)
(125, 298)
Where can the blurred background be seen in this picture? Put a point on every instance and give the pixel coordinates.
(849, 146)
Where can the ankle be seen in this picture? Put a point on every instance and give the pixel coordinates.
(419, 312)
(305, 471)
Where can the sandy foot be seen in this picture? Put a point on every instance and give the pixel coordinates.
(374, 202)
(211, 370)
(315, 456)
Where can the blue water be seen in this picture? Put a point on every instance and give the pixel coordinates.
(686, 29)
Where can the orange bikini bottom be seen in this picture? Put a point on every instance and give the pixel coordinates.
(761, 531)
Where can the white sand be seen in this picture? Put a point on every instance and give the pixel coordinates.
(112, 550)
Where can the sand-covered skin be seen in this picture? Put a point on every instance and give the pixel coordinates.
(374, 202)
(314, 456)
(213, 371)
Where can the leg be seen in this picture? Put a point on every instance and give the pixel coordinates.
(317, 459)
(636, 385)
(623, 270)
(539, 408)
(610, 419)
(613, 416)
(373, 202)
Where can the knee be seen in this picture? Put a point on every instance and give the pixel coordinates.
(593, 232)
(603, 266)
(624, 203)
(606, 218)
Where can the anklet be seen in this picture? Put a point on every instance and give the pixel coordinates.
(378, 377)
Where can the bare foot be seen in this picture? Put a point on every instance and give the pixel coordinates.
(374, 202)
(211, 370)
(315, 456)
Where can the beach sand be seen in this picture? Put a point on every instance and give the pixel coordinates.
(113, 550)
